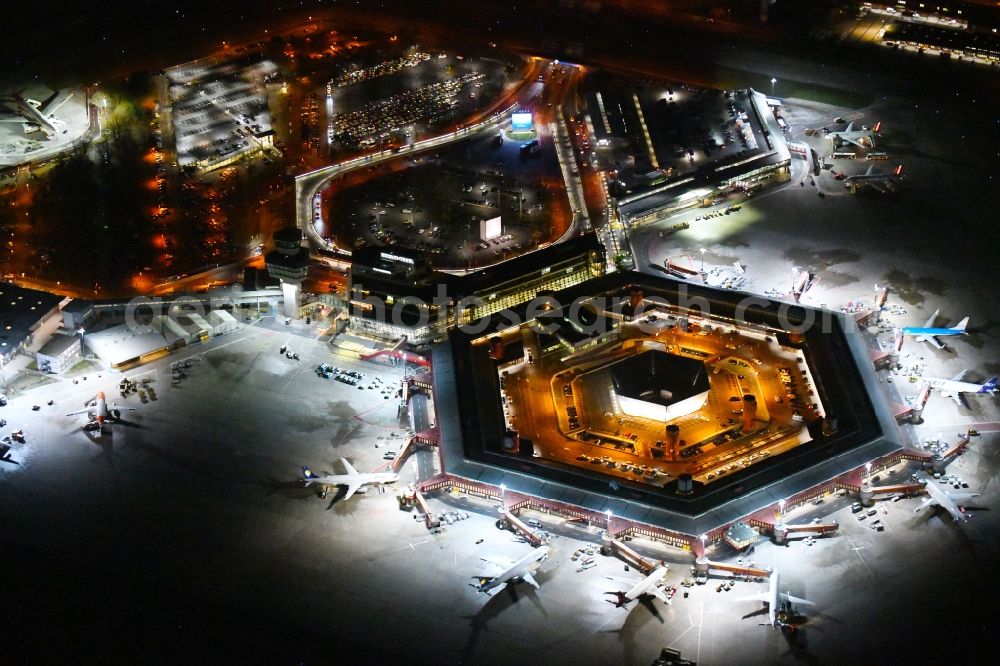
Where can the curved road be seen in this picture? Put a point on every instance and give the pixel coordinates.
(309, 184)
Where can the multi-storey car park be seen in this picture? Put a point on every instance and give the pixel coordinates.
(676, 146)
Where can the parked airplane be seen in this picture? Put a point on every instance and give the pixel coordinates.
(883, 182)
(928, 333)
(34, 115)
(647, 585)
(773, 597)
(860, 138)
(947, 500)
(97, 409)
(354, 480)
(512, 571)
(954, 388)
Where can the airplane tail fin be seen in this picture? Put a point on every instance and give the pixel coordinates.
(622, 600)
(960, 326)
(308, 476)
(989, 386)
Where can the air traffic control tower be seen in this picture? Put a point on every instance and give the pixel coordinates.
(288, 262)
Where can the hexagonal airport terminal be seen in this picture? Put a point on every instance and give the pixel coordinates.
(618, 387)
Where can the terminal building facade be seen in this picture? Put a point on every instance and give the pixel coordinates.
(396, 294)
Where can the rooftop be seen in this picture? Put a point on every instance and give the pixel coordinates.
(656, 376)
(20, 311)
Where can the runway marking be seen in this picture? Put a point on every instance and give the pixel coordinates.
(419, 543)
(701, 625)
(857, 549)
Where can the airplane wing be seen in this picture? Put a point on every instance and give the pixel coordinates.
(881, 186)
(493, 591)
(81, 411)
(930, 321)
(530, 580)
(850, 127)
(931, 340)
(498, 561)
(958, 497)
(352, 488)
(348, 467)
(958, 377)
(957, 397)
(926, 503)
(658, 592)
(871, 170)
(763, 596)
(796, 600)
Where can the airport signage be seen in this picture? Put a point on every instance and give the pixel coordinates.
(520, 121)
(388, 256)
(489, 229)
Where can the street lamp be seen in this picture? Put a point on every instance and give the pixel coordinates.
(773, 81)
(781, 507)
(703, 537)
(702, 250)
(868, 470)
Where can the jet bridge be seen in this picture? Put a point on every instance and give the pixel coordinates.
(703, 566)
(429, 520)
(781, 530)
(868, 493)
(510, 521)
(614, 546)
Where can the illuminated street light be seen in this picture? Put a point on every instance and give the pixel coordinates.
(868, 470)
(781, 507)
(773, 81)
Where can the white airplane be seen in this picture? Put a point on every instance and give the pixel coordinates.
(512, 571)
(860, 138)
(773, 598)
(354, 480)
(32, 114)
(97, 409)
(929, 333)
(883, 182)
(647, 585)
(954, 388)
(937, 496)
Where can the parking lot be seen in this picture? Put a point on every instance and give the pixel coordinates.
(435, 204)
(219, 109)
(676, 128)
(404, 96)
